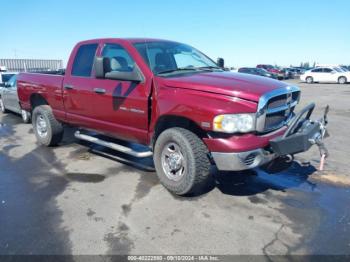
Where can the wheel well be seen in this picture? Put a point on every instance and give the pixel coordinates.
(342, 77)
(169, 121)
(37, 100)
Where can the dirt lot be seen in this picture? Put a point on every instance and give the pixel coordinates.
(73, 199)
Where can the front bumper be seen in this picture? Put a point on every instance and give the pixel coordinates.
(242, 160)
(300, 135)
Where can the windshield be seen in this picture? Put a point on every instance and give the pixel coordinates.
(169, 57)
(261, 71)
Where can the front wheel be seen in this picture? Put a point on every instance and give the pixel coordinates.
(181, 161)
(342, 80)
(47, 129)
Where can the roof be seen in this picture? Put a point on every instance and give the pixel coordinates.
(130, 40)
(138, 40)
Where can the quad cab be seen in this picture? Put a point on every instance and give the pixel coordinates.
(187, 111)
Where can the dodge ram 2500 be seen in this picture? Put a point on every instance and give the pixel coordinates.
(172, 98)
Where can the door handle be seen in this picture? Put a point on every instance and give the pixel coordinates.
(99, 90)
(68, 87)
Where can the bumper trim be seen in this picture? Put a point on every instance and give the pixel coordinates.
(242, 160)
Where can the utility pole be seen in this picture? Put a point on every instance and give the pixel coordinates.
(15, 52)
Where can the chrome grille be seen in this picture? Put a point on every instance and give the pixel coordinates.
(276, 108)
(277, 101)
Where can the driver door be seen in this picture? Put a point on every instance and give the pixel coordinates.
(120, 106)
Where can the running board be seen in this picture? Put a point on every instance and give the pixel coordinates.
(114, 146)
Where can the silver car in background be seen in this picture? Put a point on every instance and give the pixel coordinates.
(9, 99)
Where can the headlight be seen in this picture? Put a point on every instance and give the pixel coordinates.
(234, 123)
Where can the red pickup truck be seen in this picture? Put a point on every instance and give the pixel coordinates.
(189, 112)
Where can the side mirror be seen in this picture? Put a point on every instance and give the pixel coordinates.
(220, 62)
(103, 70)
(101, 66)
(134, 75)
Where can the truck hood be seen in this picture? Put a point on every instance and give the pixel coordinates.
(249, 87)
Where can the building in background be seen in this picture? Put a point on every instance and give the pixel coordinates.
(28, 65)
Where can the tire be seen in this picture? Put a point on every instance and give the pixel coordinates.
(25, 116)
(195, 170)
(342, 80)
(2, 106)
(309, 80)
(47, 129)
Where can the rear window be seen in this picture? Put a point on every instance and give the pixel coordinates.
(84, 60)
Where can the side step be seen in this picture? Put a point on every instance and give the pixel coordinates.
(114, 146)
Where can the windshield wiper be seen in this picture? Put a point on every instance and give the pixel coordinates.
(178, 69)
(210, 68)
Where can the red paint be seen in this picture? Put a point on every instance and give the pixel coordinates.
(241, 143)
(198, 97)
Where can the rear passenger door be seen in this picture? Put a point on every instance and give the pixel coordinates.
(317, 74)
(77, 90)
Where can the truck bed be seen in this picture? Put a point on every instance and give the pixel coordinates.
(46, 84)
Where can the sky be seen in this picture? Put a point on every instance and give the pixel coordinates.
(243, 32)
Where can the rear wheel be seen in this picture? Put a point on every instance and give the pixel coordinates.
(309, 80)
(2, 106)
(47, 129)
(342, 80)
(181, 161)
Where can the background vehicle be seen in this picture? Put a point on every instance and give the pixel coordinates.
(5, 77)
(287, 74)
(274, 70)
(295, 72)
(9, 99)
(256, 71)
(185, 110)
(326, 75)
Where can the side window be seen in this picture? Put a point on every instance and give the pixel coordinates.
(317, 70)
(12, 81)
(327, 70)
(120, 60)
(84, 60)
